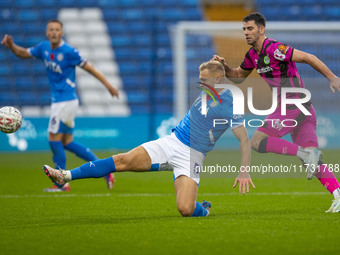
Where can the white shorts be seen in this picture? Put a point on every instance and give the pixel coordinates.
(62, 116)
(183, 160)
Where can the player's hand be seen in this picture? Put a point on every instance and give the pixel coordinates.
(7, 41)
(113, 91)
(243, 179)
(335, 84)
(218, 58)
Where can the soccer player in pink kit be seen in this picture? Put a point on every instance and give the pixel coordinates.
(275, 63)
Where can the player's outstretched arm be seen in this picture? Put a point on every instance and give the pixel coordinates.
(243, 179)
(96, 73)
(236, 75)
(318, 65)
(17, 50)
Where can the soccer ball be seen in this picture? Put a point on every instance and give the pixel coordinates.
(10, 119)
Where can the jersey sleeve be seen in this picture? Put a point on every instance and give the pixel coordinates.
(247, 64)
(36, 51)
(76, 59)
(281, 52)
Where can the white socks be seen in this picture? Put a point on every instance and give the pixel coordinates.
(336, 193)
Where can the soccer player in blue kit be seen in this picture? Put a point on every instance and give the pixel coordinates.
(61, 60)
(182, 152)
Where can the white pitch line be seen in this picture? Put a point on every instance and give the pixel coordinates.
(165, 194)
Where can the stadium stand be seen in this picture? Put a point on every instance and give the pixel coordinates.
(139, 60)
(137, 54)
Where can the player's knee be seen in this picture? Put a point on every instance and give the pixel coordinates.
(255, 144)
(186, 210)
(121, 163)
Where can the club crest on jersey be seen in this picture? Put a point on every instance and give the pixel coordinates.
(266, 60)
(60, 57)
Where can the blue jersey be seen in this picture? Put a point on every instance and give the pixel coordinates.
(60, 67)
(197, 130)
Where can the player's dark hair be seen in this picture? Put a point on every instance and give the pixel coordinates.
(259, 19)
(55, 21)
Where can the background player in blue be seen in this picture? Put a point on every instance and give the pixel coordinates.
(183, 151)
(61, 60)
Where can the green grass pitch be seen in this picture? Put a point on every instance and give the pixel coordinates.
(283, 215)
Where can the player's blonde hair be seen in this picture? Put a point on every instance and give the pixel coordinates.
(214, 67)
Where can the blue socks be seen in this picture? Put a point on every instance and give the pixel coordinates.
(58, 151)
(81, 151)
(200, 211)
(94, 169)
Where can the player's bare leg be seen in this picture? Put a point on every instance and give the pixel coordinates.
(186, 194)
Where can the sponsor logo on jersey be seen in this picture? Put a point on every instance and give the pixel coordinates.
(54, 67)
(279, 55)
(283, 48)
(264, 69)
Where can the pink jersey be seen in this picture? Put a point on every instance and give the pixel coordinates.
(275, 66)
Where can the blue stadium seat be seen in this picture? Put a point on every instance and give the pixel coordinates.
(7, 14)
(128, 68)
(47, 14)
(123, 53)
(108, 3)
(31, 15)
(4, 70)
(140, 27)
(33, 27)
(66, 3)
(45, 98)
(46, 3)
(132, 14)
(143, 53)
(25, 3)
(39, 69)
(116, 28)
(142, 39)
(23, 68)
(24, 83)
(5, 84)
(7, 98)
(11, 27)
(89, 3)
(28, 98)
(33, 40)
(138, 97)
(121, 41)
(6, 4)
(42, 83)
(3, 55)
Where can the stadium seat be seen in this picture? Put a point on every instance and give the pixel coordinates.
(108, 3)
(132, 14)
(27, 98)
(31, 15)
(48, 14)
(46, 3)
(7, 98)
(25, 84)
(25, 3)
(5, 84)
